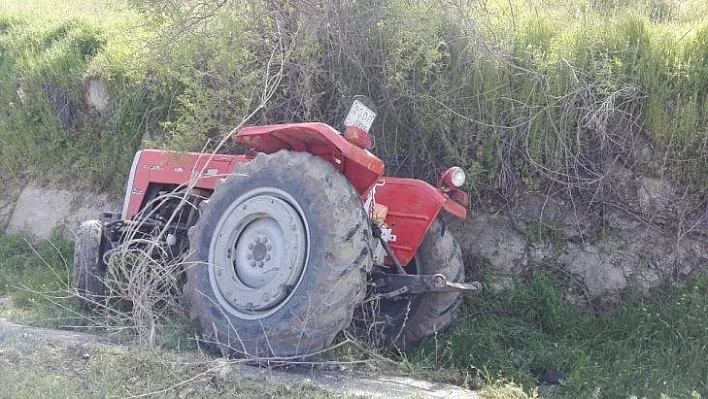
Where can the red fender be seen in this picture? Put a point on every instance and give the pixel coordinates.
(412, 205)
(360, 167)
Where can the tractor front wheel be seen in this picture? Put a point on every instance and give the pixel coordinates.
(278, 259)
(89, 268)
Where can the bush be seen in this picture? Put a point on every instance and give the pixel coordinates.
(518, 93)
(521, 94)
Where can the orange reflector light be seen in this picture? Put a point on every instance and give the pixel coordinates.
(357, 137)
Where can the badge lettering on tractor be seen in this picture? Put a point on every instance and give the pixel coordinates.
(153, 167)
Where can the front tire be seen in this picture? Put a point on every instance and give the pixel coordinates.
(408, 321)
(278, 258)
(89, 268)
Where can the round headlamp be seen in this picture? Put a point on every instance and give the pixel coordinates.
(454, 177)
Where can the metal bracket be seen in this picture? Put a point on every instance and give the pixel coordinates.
(397, 284)
(378, 234)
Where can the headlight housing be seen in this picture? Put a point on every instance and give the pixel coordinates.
(453, 177)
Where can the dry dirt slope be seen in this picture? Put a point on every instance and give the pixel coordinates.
(37, 362)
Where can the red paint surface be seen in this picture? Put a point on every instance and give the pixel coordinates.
(412, 204)
(162, 167)
(360, 167)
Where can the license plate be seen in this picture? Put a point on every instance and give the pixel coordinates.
(360, 116)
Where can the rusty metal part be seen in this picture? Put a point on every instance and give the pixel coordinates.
(380, 213)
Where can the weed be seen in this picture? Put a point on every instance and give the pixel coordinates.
(32, 367)
(34, 279)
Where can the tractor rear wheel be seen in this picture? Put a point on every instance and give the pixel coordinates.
(89, 268)
(278, 258)
(408, 321)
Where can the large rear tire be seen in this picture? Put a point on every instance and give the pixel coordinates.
(409, 321)
(278, 258)
(89, 268)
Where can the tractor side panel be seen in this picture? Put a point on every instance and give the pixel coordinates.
(163, 167)
(412, 205)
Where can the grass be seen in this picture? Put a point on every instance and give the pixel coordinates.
(35, 287)
(645, 347)
(47, 50)
(522, 94)
(519, 93)
(34, 278)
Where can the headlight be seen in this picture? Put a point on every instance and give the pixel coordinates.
(457, 176)
(453, 177)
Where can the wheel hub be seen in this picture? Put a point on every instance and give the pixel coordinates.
(258, 253)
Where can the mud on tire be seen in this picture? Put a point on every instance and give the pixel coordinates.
(231, 302)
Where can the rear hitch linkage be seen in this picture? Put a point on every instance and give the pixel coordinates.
(404, 283)
(396, 284)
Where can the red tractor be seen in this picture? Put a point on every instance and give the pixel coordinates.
(280, 246)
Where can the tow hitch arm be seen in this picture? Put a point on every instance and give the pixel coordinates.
(393, 285)
(398, 284)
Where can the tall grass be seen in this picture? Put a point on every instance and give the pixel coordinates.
(540, 94)
(34, 277)
(47, 130)
(644, 347)
(520, 93)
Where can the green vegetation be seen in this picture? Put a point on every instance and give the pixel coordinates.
(643, 348)
(519, 93)
(34, 280)
(36, 366)
(522, 94)
(48, 53)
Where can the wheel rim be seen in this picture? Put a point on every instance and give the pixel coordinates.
(258, 253)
